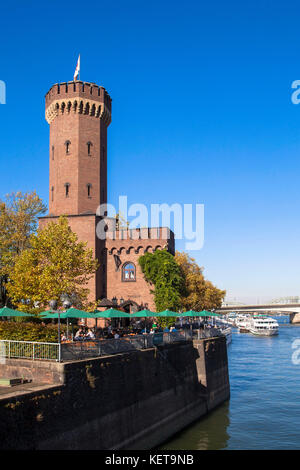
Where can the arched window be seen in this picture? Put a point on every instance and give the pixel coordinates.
(52, 152)
(89, 187)
(52, 193)
(67, 144)
(128, 272)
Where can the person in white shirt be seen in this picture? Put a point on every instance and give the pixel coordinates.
(79, 334)
(90, 335)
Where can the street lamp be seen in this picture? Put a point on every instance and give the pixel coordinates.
(67, 304)
(53, 305)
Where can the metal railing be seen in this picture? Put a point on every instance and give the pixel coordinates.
(84, 349)
(30, 350)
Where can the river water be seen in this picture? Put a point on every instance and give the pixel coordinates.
(264, 408)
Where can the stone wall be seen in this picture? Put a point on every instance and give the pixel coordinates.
(42, 372)
(295, 318)
(135, 400)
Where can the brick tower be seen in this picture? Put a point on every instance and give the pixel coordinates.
(79, 114)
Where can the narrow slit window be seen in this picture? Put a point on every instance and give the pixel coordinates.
(67, 144)
(67, 189)
(89, 148)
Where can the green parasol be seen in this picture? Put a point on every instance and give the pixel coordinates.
(206, 313)
(143, 314)
(9, 312)
(191, 313)
(167, 313)
(70, 313)
(112, 313)
(75, 313)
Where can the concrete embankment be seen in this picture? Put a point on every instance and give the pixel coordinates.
(133, 400)
(294, 317)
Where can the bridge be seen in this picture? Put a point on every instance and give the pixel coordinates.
(293, 310)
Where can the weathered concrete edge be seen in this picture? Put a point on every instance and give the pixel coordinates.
(165, 427)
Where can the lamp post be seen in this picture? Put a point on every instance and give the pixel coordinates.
(67, 304)
(53, 305)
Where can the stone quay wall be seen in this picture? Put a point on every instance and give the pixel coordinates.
(134, 400)
(295, 318)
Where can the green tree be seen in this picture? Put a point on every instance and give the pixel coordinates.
(18, 221)
(200, 294)
(55, 264)
(161, 270)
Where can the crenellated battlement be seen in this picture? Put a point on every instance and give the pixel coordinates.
(141, 239)
(78, 97)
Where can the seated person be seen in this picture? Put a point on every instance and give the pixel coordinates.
(90, 334)
(79, 335)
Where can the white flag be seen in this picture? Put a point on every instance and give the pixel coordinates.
(77, 70)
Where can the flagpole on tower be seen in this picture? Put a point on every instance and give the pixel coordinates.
(77, 70)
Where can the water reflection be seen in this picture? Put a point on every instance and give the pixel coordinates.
(263, 411)
(209, 433)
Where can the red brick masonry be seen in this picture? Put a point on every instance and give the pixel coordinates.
(79, 114)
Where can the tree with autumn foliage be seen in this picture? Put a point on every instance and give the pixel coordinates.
(18, 221)
(55, 264)
(200, 294)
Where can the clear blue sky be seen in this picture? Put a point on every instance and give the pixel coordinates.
(202, 113)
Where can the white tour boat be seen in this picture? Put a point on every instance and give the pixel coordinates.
(242, 322)
(230, 318)
(262, 326)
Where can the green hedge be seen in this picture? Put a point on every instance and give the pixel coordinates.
(26, 331)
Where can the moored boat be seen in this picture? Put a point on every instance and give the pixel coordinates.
(242, 323)
(261, 325)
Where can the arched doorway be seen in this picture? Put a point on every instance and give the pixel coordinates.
(130, 306)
